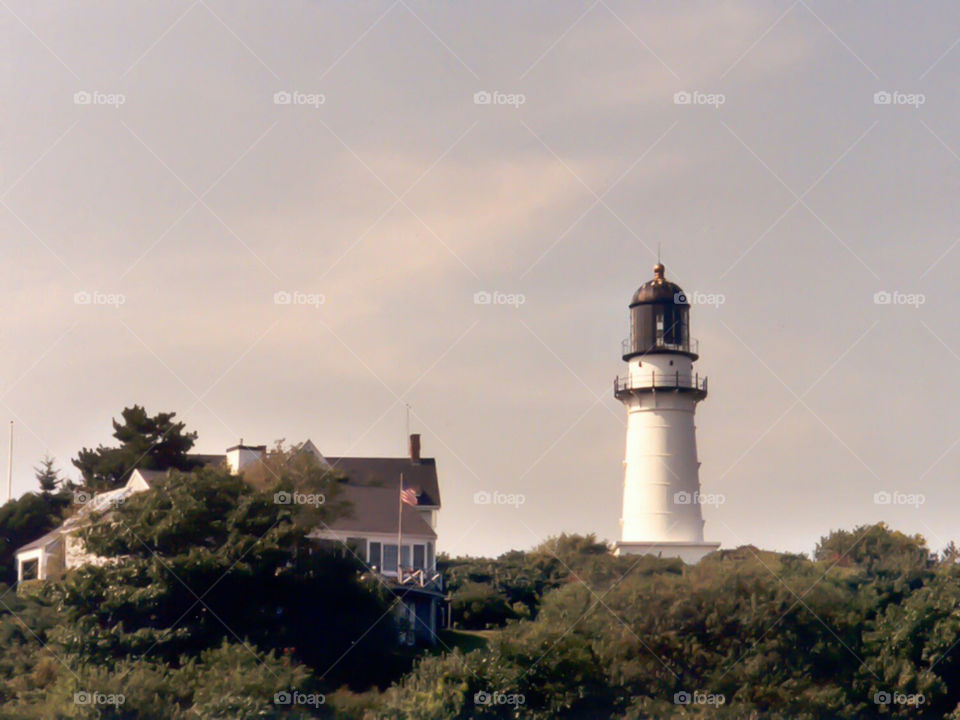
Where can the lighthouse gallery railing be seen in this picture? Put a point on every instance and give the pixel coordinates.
(655, 380)
(692, 345)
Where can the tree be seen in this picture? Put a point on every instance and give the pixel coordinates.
(22, 521)
(477, 606)
(149, 442)
(203, 558)
(47, 476)
(32, 515)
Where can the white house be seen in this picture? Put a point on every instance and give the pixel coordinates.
(49, 556)
(396, 541)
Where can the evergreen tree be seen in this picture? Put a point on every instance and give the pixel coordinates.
(154, 442)
(47, 476)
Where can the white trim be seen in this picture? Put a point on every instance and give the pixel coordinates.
(39, 554)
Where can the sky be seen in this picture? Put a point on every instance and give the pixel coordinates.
(280, 220)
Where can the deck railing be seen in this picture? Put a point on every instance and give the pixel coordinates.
(422, 579)
(654, 380)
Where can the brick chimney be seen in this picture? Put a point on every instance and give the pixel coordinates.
(415, 447)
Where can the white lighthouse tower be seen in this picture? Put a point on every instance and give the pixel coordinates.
(661, 483)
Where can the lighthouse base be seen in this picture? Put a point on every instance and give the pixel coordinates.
(690, 552)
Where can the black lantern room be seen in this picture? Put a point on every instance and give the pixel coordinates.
(659, 319)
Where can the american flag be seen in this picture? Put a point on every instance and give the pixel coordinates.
(409, 496)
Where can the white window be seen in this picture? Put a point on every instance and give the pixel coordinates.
(389, 558)
(374, 559)
(30, 569)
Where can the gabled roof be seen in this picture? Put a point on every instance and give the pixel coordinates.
(41, 541)
(100, 502)
(308, 446)
(150, 477)
(377, 510)
(386, 472)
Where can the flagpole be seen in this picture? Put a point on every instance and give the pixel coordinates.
(400, 531)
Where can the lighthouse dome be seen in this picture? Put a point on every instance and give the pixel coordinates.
(659, 290)
(659, 319)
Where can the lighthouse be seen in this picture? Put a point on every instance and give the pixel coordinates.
(660, 390)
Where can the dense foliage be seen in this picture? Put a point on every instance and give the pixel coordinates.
(210, 600)
(867, 628)
(205, 559)
(487, 593)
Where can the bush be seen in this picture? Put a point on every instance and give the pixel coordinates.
(477, 606)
